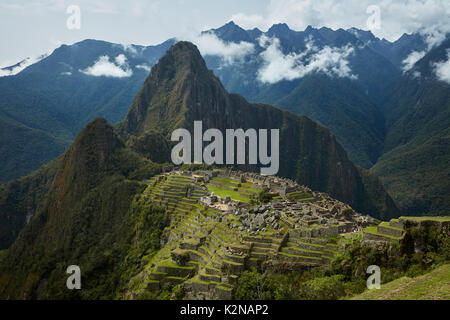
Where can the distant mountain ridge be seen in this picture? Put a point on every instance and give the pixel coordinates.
(61, 111)
(54, 99)
(54, 105)
(350, 105)
(416, 160)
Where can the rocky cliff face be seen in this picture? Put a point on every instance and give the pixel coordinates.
(180, 90)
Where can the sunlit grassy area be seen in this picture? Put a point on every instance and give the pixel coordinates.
(426, 218)
(434, 285)
(373, 230)
(223, 193)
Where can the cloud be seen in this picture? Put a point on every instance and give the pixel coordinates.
(121, 60)
(396, 17)
(104, 67)
(144, 67)
(435, 34)
(210, 45)
(249, 21)
(411, 60)
(442, 69)
(13, 70)
(278, 66)
(130, 48)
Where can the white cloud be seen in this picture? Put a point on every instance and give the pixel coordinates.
(277, 66)
(411, 60)
(435, 34)
(144, 67)
(210, 44)
(121, 60)
(397, 17)
(249, 21)
(21, 65)
(104, 67)
(130, 48)
(442, 69)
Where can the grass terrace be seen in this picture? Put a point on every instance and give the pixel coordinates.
(373, 230)
(299, 196)
(440, 219)
(223, 193)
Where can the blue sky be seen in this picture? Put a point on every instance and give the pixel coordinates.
(30, 28)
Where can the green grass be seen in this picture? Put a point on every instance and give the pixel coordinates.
(175, 277)
(373, 230)
(196, 279)
(386, 225)
(299, 196)
(223, 193)
(225, 237)
(306, 199)
(224, 179)
(224, 287)
(191, 241)
(297, 255)
(169, 263)
(434, 285)
(310, 244)
(440, 219)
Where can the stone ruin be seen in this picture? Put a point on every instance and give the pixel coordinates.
(212, 240)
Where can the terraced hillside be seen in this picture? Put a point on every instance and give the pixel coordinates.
(395, 230)
(217, 232)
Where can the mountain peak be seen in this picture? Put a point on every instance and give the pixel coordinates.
(231, 24)
(230, 27)
(363, 35)
(181, 57)
(87, 160)
(97, 140)
(183, 46)
(230, 32)
(279, 28)
(171, 89)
